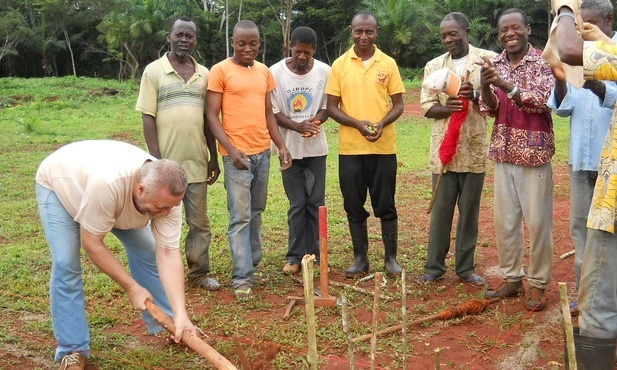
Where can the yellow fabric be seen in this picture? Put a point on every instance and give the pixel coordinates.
(365, 95)
(600, 62)
(243, 104)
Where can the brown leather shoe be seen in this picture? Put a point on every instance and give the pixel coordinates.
(514, 289)
(73, 361)
(291, 268)
(535, 299)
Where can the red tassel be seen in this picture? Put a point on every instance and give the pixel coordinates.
(447, 150)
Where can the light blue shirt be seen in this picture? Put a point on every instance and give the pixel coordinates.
(589, 121)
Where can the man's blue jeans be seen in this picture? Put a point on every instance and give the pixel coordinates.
(305, 186)
(582, 184)
(247, 191)
(597, 294)
(68, 312)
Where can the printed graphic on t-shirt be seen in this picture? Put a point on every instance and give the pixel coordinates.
(382, 77)
(299, 101)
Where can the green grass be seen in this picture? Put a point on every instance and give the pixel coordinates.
(39, 115)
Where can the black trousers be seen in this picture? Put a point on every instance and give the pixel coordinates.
(375, 173)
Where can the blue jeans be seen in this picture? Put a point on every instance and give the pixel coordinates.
(581, 192)
(597, 294)
(303, 213)
(68, 312)
(247, 191)
(199, 236)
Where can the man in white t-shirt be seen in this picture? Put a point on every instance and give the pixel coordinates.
(299, 105)
(87, 189)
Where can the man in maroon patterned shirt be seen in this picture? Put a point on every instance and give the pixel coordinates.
(516, 85)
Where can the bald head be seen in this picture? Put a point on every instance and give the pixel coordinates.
(246, 25)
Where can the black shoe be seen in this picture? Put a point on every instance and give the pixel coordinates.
(514, 289)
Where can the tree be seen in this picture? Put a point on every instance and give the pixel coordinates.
(404, 25)
(331, 20)
(12, 31)
(135, 34)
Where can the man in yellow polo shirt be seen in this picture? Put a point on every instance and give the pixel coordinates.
(364, 95)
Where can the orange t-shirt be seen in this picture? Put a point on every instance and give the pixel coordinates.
(243, 104)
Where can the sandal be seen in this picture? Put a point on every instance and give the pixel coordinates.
(429, 278)
(474, 280)
(209, 283)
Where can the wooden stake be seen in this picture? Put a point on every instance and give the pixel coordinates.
(375, 317)
(350, 344)
(567, 325)
(437, 360)
(309, 299)
(323, 252)
(430, 205)
(358, 289)
(404, 313)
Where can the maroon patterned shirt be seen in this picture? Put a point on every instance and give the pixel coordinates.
(522, 135)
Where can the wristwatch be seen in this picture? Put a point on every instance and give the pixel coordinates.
(513, 92)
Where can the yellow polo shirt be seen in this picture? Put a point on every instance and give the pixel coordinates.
(365, 95)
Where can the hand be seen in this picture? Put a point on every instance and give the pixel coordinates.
(310, 127)
(488, 73)
(138, 296)
(213, 171)
(591, 32)
(466, 91)
(454, 104)
(285, 158)
(377, 132)
(182, 324)
(366, 128)
(240, 160)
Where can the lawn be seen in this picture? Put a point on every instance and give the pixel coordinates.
(39, 115)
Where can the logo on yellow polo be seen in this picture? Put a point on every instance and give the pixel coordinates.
(382, 77)
(299, 102)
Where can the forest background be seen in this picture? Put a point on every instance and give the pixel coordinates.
(118, 38)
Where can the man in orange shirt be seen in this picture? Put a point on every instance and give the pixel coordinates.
(239, 87)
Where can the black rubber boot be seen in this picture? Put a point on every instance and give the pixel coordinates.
(389, 235)
(593, 353)
(359, 238)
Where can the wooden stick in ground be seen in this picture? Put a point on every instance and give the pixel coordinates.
(358, 289)
(430, 205)
(567, 325)
(191, 340)
(567, 254)
(309, 297)
(323, 252)
(470, 307)
(404, 313)
(345, 318)
(375, 317)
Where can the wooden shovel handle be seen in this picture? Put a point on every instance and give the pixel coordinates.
(191, 340)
